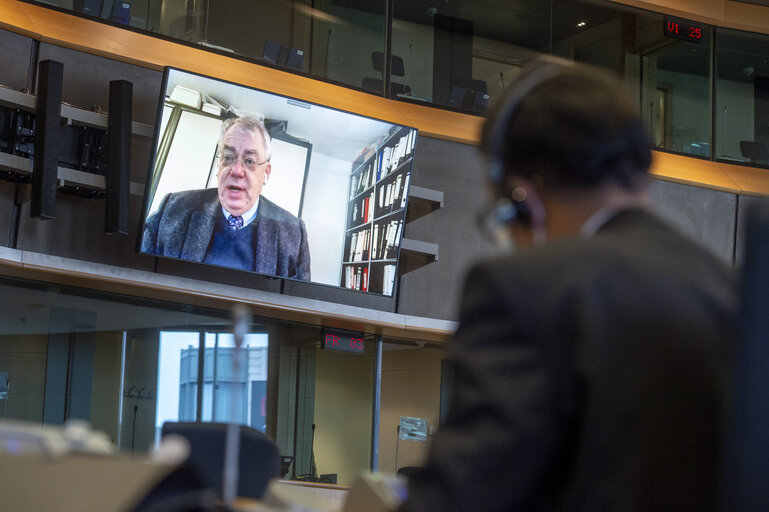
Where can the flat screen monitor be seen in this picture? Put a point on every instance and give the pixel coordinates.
(261, 182)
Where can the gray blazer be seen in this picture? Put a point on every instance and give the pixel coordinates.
(184, 223)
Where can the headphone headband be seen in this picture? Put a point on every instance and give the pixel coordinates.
(547, 68)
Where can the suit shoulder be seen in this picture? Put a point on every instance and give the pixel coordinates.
(186, 197)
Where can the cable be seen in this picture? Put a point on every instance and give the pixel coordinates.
(133, 428)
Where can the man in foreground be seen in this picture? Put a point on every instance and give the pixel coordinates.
(232, 225)
(589, 364)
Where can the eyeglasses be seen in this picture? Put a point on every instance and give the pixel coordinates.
(227, 160)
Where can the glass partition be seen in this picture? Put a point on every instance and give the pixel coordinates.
(742, 97)
(461, 54)
(328, 39)
(127, 366)
(664, 61)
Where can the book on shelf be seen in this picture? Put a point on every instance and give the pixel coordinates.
(388, 279)
(390, 239)
(365, 250)
(374, 243)
(354, 180)
(364, 180)
(370, 207)
(360, 243)
(385, 239)
(388, 195)
(405, 188)
(364, 284)
(398, 234)
(397, 188)
(353, 245)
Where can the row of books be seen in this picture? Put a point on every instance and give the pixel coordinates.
(356, 278)
(359, 182)
(379, 243)
(391, 156)
(363, 210)
(360, 243)
(385, 239)
(387, 160)
(393, 193)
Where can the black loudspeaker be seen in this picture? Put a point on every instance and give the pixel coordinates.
(121, 12)
(47, 126)
(271, 52)
(283, 56)
(119, 170)
(295, 59)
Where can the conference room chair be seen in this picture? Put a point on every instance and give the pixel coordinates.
(754, 151)
(259, 458)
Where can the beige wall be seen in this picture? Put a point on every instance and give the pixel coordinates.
(23, 357)
(411, 386)
(343, 414)
(105, 390)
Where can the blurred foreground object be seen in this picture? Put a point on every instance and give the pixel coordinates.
(71, 468)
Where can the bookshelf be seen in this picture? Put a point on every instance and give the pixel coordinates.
(376, 213)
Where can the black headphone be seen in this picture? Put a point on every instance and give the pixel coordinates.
(542, 69)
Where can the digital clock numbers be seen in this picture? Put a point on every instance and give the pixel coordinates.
(344, 341)
(683, 29)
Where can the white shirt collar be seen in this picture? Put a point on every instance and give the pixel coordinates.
(248, 217)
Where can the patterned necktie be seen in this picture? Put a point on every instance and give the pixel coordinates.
(235, 222)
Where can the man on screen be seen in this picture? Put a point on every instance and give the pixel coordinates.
(232, 226)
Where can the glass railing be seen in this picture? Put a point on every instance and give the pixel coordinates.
(461, 54)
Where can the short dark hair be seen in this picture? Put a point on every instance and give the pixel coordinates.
(250, 124)
(573, 127)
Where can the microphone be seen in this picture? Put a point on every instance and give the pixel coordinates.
(241, 319)
(313, 469)
(408, 72)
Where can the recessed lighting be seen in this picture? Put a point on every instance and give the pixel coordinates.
(581, 24)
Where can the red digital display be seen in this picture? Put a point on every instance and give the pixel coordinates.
(683, 29)
(345, 341)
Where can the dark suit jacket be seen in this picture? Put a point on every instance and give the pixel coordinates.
(588, 376)
(184, 223)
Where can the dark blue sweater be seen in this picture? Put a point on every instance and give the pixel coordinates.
(232, 248)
